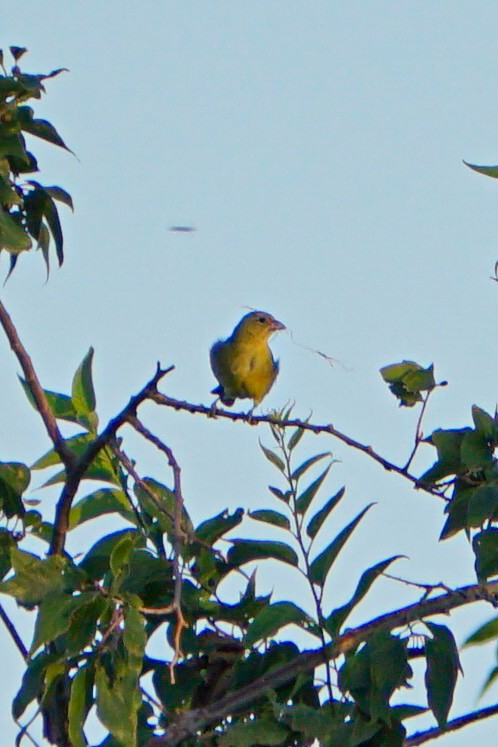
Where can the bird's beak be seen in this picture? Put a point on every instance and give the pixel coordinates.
(276, 325)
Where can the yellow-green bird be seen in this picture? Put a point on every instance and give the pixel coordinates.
(243, 363)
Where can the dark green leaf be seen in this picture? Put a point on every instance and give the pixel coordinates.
(448, 444)
(322, 564)
(486, 170)
(272, 618)
(295, 438)
(53, 619)
(97, 560)
(482, 504)
(211, 530)
(260, 731)
(99, 503)
(32, 682)
(484, 423)
(476, 451)
(34, 578)
(60, 404)
(13, 237)
(305, 466)
(271, 517)
(17, 52)
(338, 616)
(14, 480)
(82, 392)
(273, 458)
(120, 555)
(483, 634)
(59, 194)
(79, 704)
(485, 545)
(134, 638)
(117, 704)
(305, 499)
(318, 519)
(442, 671)
(244, 551)
(39, 127)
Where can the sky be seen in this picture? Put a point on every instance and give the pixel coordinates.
(317, 150)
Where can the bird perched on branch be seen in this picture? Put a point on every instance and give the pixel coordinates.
(243, 363)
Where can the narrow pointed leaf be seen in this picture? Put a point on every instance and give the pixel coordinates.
(273, 458)
(83, 392)
(305, 466)
(304, 500)
(321, 565)
(442, 671)
(271, 619)
(271, 517)
(244, 551)
(321, 516)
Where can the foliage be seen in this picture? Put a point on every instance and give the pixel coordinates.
(263, 669)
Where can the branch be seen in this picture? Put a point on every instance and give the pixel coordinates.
(163, 399)
(178, 534)
(456, 723)
(191, 722)
(13, 633)
(65, 454)
(76, 474)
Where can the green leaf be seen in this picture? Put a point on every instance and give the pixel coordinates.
(34, 578)
(407, 380)
(163, 507)
(260, 731)
(483, 634)
(273, 458)
(271, 517)
(295, 438)
(486, 170)
(485, 545)
(53, 619)
(120, 555)
(14, 480)
(244, 551)
(60, 405)
(448, 444)
(82, 392)
(17, 52)
(272, 618)
(32, 682)
(116, 704)
(338, 616)
(59, 194)
(476, 451)
(305, 466)
(482, 504)
(96, 562)
(304, 500)
(134, 638)
(99, 503)
(322, 564)
(211, 530)
(442, 671)
(318, 519)
(39, 127)
(13, 237)
(484, 423)
(80, 703)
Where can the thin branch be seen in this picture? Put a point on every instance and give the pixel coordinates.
(178, 534)
(76, 474)
(191, 722)
(65, 454)
(457, 723)
(418, 431)
(163, 399)
(13, 633)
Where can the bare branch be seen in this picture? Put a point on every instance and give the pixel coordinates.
(77, 473)
(191, 722)
(457, 723)
(66, 456)
(13, 633)
(163, 399)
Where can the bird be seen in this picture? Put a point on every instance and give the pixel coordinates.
(243, 363)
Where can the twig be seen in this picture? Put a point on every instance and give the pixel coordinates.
(178, 534)
(65, 454)
(189, 723)
(457, 723)
(418, 434)
(77, 472)
(13, 633)
(163, 399)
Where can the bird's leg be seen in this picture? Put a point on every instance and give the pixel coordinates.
(212, 409)
(249, 415)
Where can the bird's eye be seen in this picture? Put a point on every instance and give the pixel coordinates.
(262, 319)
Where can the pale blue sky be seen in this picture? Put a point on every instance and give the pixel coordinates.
(317, 148)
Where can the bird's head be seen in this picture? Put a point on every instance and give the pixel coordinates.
(257, 325)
